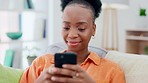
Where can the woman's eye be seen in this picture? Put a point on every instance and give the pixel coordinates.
(66, 28)
(81, 29)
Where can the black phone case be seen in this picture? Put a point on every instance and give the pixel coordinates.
(64, 58)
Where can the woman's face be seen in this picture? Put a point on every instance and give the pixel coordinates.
(78, 27)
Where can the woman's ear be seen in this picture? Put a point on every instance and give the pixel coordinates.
(94, 29)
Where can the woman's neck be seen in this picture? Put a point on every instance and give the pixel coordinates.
(82, 55)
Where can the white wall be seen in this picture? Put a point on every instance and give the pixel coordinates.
(126, 19)
(54, 24)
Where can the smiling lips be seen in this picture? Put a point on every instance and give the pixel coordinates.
(73, 43)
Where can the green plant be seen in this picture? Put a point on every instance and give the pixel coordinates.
(146, 50)
(31, 53)
(142, 12)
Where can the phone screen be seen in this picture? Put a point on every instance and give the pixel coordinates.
(65, 58)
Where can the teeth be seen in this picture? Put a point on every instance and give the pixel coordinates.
(73, 43)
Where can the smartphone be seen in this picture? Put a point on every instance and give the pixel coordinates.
(65, 58)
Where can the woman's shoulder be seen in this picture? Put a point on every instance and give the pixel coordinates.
(44, 60)
(110, 64)
(106, 67)
(45, 57)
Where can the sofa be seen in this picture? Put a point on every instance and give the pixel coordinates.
(9, 75)
(134, 66)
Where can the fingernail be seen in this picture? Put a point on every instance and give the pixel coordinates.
(50, 70)
(64, 65)
(53, 78)
(54, 70)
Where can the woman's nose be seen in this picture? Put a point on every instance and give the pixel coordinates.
(73, 33)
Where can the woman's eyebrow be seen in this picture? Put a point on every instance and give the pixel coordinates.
(78, 23)
(66, 22)
(82, 23)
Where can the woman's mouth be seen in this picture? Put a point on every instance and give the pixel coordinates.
(73, 44)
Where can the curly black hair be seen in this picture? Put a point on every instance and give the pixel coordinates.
(94, 5)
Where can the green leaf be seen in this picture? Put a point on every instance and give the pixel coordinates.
(142, 12)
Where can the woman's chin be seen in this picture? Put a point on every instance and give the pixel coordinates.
(73, 49)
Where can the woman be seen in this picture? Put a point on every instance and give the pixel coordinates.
(78, 28)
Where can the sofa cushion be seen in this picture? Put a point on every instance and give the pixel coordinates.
(9, 75)
(134, 66)
(58, 47)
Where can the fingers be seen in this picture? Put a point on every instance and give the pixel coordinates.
(76, 68)
(76, 75)
(68, 74)
(45, 77)
(65, 79)
(81, 76)
(67, 70)
(50, 69)
(62, 71)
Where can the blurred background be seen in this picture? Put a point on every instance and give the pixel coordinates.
(28, 27)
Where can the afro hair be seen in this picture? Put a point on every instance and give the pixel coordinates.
(96, 4)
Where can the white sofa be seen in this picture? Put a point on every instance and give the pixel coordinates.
(134, 66)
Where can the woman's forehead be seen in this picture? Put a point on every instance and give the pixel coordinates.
(77, 11)
(78, 7)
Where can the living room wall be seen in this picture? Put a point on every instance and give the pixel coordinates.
(126, 19)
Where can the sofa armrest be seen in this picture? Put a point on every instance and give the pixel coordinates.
(134, 66)
(9, 75)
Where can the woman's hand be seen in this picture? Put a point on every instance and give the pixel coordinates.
(70, 74)
(45, 76)
(67, 74)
